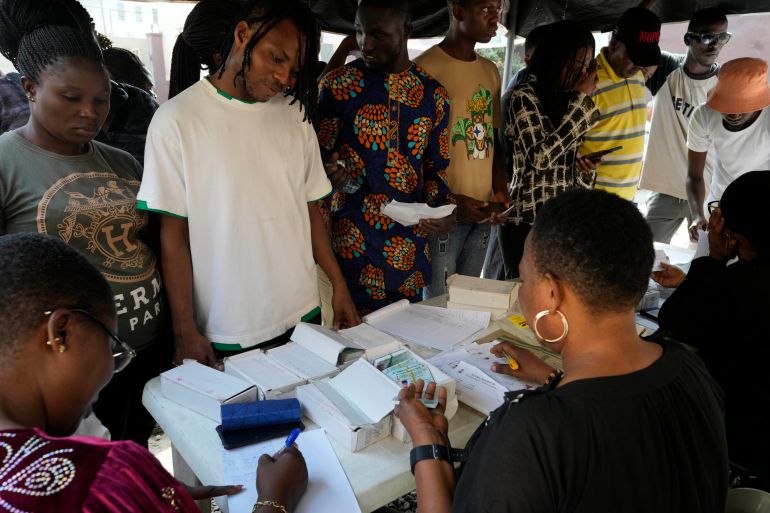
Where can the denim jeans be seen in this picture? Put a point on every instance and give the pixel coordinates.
(461, 251)
(493, 262)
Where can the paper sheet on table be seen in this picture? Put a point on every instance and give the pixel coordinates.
(431, 326)
(409, 214)
(328, 489)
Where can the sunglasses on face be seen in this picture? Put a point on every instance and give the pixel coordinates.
(712, 205)
(708, 38)
(122, 353)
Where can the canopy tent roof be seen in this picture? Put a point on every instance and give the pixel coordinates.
(431, 19)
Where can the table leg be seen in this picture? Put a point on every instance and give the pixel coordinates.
(183, 473)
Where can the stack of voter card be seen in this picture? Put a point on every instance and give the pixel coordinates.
(471, 293)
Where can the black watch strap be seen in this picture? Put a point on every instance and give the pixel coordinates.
(436, 452)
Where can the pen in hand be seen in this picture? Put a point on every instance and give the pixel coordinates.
(291, 438)
(512, 363)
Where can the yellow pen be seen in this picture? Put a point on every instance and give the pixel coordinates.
(512, 363)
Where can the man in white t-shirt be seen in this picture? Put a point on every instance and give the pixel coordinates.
(734, 121)
(679, 85)
(234, 166)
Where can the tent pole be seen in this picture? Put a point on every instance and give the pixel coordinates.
(509, 44)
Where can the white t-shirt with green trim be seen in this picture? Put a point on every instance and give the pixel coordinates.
(242, 174)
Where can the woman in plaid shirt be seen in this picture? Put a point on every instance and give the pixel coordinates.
(550, 112)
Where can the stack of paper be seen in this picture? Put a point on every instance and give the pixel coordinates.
(471, 293)
(477, 385)
(328, 488)
(430, 326)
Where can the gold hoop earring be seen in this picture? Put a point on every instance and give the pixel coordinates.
(564, 323)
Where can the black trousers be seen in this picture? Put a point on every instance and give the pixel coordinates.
(119, 406)
(512, 239)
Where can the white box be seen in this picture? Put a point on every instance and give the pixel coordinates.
(469, 290)
(318, 408)
(203, 389)
(273, 380)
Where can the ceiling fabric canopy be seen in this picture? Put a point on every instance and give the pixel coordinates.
(430, 17)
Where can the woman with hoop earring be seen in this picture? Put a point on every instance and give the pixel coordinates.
(627, 425)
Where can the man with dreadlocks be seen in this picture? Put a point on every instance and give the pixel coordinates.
(386, 119)
(56, 180)
(233, 166)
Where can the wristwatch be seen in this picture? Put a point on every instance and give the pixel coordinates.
(436, 452)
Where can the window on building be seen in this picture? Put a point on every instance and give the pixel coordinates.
(139, 14)
(155, 15)
(121, 11)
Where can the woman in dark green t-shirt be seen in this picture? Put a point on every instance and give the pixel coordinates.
(55, 180)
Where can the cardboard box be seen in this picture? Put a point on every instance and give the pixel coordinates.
(203, 389)
(469, 290)
(273, 381)
(318, 408)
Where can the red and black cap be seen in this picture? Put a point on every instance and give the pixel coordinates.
(639, 29)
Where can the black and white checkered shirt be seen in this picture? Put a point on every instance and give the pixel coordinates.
(544, 155)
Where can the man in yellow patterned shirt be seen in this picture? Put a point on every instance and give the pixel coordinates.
(621, 98)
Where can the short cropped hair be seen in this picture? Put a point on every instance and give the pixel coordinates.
(41, 273)
(599, 244)
(400, 7)
(705, 17)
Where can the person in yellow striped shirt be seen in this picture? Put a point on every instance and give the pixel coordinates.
(621, 99)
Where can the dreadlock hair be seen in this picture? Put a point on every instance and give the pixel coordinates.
(265, 15)
(205, 28)
(558, 47)
(42, 273)
(35, 34)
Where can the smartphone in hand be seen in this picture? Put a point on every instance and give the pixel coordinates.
(596, 156)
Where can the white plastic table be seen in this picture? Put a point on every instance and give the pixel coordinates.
(378, 474)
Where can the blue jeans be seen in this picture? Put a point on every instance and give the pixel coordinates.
(461, 251)
(493, 262)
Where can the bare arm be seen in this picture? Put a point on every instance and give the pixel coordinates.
(178, 280)
(345, 313)
(340, 55)
(696, 190)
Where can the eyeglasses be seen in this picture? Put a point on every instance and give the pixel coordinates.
(122, 353)
(712, 205)
(709, 38)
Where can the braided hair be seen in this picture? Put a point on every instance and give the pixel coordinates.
(266, 14)
(35, 34)
(196, 47)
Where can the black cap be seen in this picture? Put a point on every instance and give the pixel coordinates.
(639, 30)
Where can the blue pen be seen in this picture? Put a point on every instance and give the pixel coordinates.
(292, 437)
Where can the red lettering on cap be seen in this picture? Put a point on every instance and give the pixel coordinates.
(649, 37)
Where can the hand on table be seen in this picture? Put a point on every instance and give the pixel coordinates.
(425, 427)
(208, 492)
(670, 276)
(282, 477)
(438, 226)
(531, 368)
(195, 346)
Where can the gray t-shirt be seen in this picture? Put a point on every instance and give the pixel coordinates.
(89, 202)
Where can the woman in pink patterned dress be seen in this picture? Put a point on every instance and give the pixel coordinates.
(58, 349)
